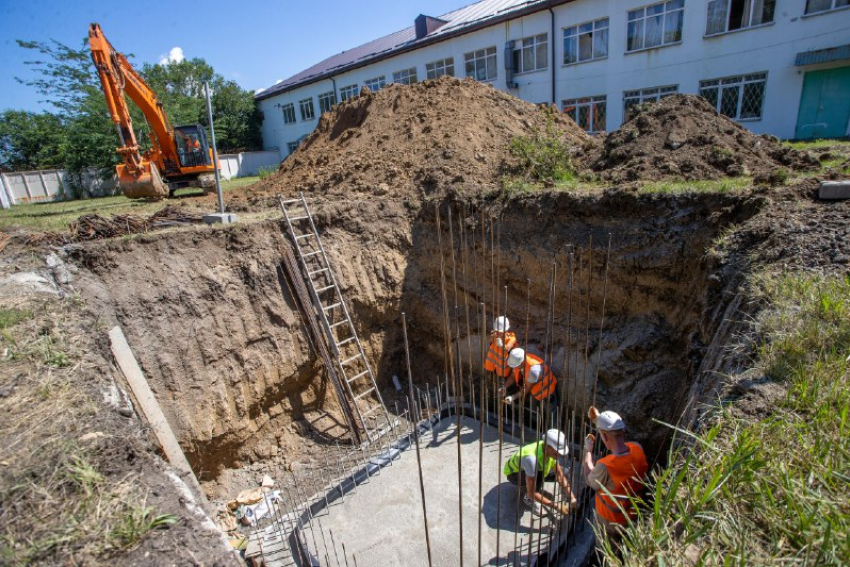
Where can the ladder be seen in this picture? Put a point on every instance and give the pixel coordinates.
(330, 308)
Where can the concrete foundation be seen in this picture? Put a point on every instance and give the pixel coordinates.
(220, 218)
(834, 190)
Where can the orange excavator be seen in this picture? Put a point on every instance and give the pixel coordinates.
(179, 157)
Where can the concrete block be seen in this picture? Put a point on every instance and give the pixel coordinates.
(220, 218)
(834, 190)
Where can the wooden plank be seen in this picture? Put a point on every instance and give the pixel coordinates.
(150, 407)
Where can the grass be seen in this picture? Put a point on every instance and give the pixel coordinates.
(57, 215)
(805, 145)
(9, 317)
(773, 491)
(725, 185)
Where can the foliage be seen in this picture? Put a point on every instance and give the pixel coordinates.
(30, 140)
(264, 172)
(722, 185)
(544, 155)
(771, 491)
(9, 317)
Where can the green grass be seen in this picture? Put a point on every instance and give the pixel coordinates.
(725, 185)
(775, 491)
(57, 215)
(804, 145)
(11, 317)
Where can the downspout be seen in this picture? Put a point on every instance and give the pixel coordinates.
(336, 96)
(552, 12)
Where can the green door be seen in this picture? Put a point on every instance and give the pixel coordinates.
(825, 104)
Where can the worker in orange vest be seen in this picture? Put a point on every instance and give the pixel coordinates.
(621, 472)
(502, 340)
(529, 376)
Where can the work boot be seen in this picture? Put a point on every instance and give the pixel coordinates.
(534, 505)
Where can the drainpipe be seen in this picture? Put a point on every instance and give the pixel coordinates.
(336, 96)
(552, 40)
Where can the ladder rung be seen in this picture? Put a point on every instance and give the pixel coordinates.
(303, 236)
(338, 323)
(317, 271)
(364, 373)
(329, 307)
(321, 289)
(289, 201)
(308, 254)
(362, 394)
(345, 342)
(299, 218)
(353, 358)
(370, 411)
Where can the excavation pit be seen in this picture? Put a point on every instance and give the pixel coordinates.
(377, 518)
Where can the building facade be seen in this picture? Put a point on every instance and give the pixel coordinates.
(780, 67)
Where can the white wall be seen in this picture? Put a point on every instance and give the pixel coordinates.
(771, 48)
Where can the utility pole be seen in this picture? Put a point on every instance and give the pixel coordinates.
(220, 217)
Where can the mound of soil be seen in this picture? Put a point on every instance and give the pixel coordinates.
(683, 137)
(417, 139)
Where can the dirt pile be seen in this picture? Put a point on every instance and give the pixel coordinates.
(416, 139)
(682, 136)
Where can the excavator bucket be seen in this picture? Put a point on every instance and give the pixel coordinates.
(145, 183)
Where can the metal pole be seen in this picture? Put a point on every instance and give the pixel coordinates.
(214, 149)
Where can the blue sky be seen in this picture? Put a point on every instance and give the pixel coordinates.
(252, 43)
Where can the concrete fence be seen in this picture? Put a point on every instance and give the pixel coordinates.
(56, 184)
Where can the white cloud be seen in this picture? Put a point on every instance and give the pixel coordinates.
(258, 91)
(277, 82)
(174, 56)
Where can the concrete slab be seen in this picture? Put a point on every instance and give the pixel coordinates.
(220, 218)
(382, 523)
(834, 190)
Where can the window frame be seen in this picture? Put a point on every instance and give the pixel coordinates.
(407, 76)
(591, 103)
(379, 82)
(833, 8)
(291, 147)
(446, 65)
(644, 95)
(647, 16)
(324, 106)
(739, 81)
(473, 58)
(345, 92)
(518, 55)
(577, 38)
(729, 15)
(290, 107)
(307, 104)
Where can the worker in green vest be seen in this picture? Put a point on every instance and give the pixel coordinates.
(536, 463)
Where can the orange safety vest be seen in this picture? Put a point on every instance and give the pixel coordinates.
(497, 356)
(626, 472)
(544, 387)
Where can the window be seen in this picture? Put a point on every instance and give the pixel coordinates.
(586, 42)
(730, 15)
(633, 98)
(376, 84)
(306, 106)
(813, 6)
(481, 64)
(348, 92)
(531, 53)
(440, 68)
(326, 101)
(656, 25)
(288, 113)
(291, 147)
(406, 76)
(739, 98)
(589, 112)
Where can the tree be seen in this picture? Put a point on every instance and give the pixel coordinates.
(29, 140)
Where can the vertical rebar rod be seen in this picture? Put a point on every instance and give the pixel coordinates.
(344, 555)
(416, 438)
(602, 318)
(482, 418)
(500, 416)
(333, 543)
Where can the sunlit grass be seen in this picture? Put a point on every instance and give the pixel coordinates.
(725, 185)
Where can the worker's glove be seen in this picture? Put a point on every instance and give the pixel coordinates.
(499, 342)
(588, 443)
(593, 414)
(564, 509)
(509, 400)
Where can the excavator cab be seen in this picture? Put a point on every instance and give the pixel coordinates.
(192, 147)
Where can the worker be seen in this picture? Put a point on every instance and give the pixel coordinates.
(502, 341)
(194, 144)
(536, 463)
(529, 375)
(621, 472)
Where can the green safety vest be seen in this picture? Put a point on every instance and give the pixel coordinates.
(514, 463)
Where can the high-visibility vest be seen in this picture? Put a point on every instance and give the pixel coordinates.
(544, 387)
(626, 472)
(497, 356)
(514, 464)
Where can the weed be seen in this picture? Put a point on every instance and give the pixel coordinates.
(544, 155)
(11, 317)
(264, 172)
(134, 523)
(724, 185)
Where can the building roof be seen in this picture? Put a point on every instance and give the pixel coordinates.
(458, 22)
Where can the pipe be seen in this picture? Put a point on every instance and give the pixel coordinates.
(552, 43)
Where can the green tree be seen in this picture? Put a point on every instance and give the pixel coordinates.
(30, 140)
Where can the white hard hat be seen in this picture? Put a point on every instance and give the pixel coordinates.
(501, 324)
(610, 421)
(557, 441)
(534, 373)
(516, 358)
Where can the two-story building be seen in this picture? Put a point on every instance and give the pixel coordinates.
(777, 66)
